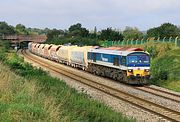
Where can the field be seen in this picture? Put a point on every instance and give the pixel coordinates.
(30, 94)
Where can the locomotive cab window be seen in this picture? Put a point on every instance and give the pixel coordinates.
(116, 62)
(94, 57)
(123, 60)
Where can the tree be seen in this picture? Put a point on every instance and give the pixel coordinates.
(6, 29)
(153, 32)
(78, 30)
(21, 29)
(95, 30)
(165, 30)
(52, 34)
(84, 32)
(75, 27)
(93, 35)
(109, 34)
(132, 33)
(169, 30)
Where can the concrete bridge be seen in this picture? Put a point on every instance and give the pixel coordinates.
(24, 38)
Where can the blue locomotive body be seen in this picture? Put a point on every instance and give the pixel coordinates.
(133, 64)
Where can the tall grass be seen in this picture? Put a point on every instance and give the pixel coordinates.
(166, 70)
(22, 100)
(74, 106)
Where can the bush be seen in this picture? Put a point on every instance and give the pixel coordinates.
(166, 67)
(75, 41)
(152, 50)
(2, 55)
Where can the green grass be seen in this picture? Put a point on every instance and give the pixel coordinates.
(22, 100)
(36, 96)
(166, 70)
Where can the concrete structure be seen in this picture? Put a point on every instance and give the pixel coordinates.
(17, 39)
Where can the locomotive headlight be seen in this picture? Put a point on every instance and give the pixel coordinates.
(130, 70)
(146, 70)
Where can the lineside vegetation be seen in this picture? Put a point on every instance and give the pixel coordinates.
(30, 94)
(165, 64)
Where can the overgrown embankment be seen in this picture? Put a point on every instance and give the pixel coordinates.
(165, 64)
(166, 70)
(30, 94)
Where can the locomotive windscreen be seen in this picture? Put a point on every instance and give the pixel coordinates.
(138, 59)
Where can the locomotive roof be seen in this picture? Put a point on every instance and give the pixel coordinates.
(123, 49)
(114, 52)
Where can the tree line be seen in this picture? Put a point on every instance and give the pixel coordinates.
(77, 34)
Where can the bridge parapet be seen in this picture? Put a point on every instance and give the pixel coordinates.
(22, 38)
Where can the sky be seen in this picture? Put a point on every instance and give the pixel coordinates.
(60, 14)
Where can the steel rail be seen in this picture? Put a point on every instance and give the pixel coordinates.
(157, 109)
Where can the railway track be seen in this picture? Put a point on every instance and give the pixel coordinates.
(154, 108)
(160, 93)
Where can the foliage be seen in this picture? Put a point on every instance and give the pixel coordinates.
(23, 100)
(4, 47)
(152, 50)
(21, 30)
(165, 64)
(110, 34)
(52, 34)
(132, 33)
(74, 41)
(165, 30)
(166, 68)
(37, 31)
(6, 29)
(78, 30)
(154, 32)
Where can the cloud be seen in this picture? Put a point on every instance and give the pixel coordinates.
(100, 13)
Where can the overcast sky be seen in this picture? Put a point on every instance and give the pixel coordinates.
(60, 14)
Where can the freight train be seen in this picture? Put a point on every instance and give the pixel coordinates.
(127, 65)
